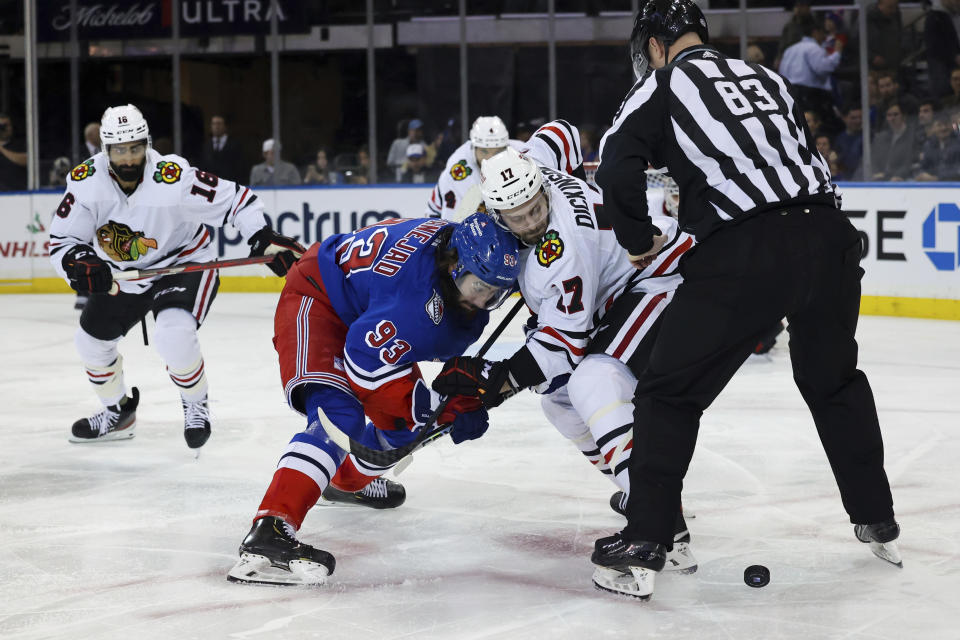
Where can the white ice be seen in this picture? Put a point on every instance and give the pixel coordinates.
(133, 539)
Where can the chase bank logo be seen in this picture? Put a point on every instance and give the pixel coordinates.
(945, 212)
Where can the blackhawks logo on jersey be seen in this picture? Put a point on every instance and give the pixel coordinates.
(167, 172)
(550, 249)
(460, 170)
(120, 242)
(82, 171)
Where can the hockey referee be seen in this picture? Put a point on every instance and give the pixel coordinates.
(772, 243)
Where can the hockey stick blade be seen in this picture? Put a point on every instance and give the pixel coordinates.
(140, 274)
(430, 430)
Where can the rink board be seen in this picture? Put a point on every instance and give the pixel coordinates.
(911, 236)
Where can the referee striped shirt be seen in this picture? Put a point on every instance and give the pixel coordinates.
(729, 132)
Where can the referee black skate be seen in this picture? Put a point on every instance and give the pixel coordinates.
(772, 243)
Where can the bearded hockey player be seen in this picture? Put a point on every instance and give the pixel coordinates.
(596, 317)
(128, 207)
(357, 314)
(457, 194)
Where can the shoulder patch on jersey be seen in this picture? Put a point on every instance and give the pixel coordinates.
(460, 170)
(120, 242)
(434, 308)
(83, 171)
(550, 249)
(167, 172)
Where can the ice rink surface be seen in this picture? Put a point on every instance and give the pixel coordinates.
(133, 539)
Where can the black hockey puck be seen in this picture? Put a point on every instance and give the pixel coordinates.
(756, 575)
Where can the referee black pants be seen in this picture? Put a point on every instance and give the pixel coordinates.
(802, 263)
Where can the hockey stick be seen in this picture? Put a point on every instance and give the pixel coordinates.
(135, 274)
(429, 432)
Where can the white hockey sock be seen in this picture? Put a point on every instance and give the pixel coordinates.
(601, 391)
(175, 339)
(561, 414)
(103, 365)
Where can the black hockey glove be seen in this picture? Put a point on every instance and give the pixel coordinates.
(478, 378)
(86, 271)
(268, 242)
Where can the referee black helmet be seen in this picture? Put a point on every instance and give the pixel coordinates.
(665, 20)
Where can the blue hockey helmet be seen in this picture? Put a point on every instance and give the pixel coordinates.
(491, 254)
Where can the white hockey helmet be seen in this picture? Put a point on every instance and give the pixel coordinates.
(489, 132)
(509, 180)
(123, 124)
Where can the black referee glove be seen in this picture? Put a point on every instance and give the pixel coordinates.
(86, 271)
(268, 242)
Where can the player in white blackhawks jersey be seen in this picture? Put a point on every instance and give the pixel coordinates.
(128, 207)
(595, 316)
(457, 194)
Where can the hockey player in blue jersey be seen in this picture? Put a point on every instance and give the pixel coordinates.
(357, 313)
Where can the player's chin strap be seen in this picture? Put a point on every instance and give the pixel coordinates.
(428, 433)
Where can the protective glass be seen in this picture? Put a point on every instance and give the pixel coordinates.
(479, 293)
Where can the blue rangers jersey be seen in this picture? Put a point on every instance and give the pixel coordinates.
(382, 283)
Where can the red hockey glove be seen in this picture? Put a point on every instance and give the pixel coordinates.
(87, 272)
(268, 242)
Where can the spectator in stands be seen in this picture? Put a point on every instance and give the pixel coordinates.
(895, 148)
(888, 90)
(222, 155)
(793, 31)
(813, 122)
(953, 98)
(397, 155)
(823, 146)
(588, 144)
(417, 171)
(942, 44)
(884, 35)
(431, 149)
(755, 54)
(940, 158)
(848, 145)
(808, 66)
(58, 172)
(91, 140)
(925, 120)
(363, 160)
(13, 157)
(273, 171)
(451, 140)
(523, 131)
(836, 32)
(319, 172)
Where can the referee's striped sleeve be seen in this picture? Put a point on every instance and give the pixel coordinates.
(625, 153)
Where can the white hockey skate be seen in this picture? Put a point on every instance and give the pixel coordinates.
(882, 540)
(115, 422)
(271, 554)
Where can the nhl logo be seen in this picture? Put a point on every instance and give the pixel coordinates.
(434, 308)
